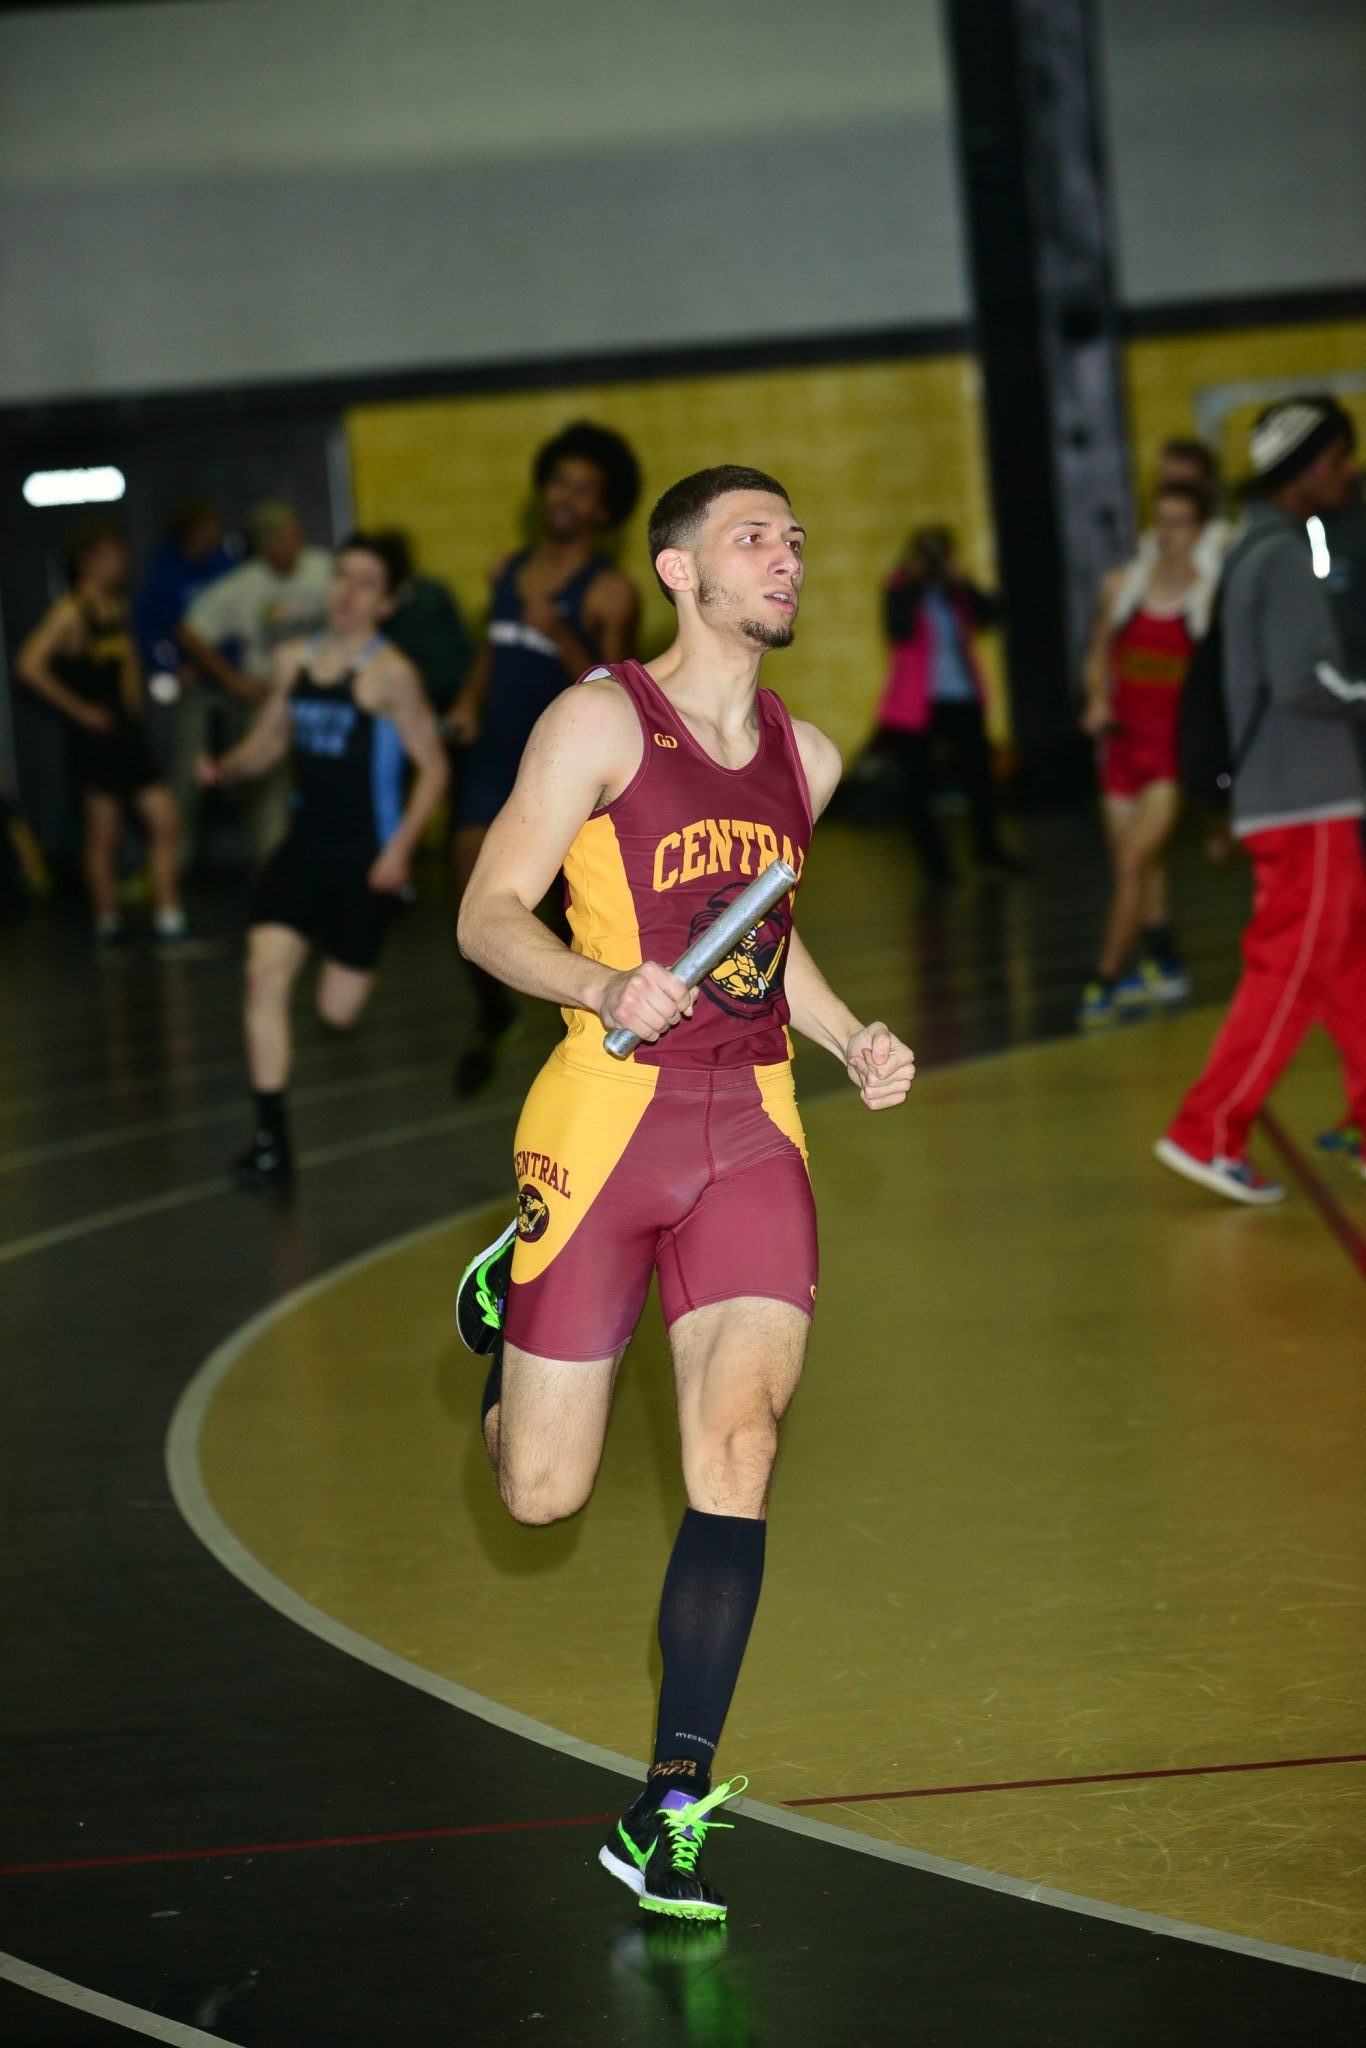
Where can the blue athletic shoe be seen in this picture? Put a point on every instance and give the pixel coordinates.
(1344, 1138)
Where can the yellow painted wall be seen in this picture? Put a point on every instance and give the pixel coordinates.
(868, 450)
(1167, 375)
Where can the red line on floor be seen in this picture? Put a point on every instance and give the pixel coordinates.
(1319, 1193)
(1280, 1763)
(590, 1820)
(492, 1827)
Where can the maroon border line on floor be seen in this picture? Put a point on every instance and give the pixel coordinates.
(588, 1820)
(1280, 1763)
(488, 1827)
(1318, 1191)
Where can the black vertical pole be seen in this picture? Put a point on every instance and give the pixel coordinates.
(1039, 243)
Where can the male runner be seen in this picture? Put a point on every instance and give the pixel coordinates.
(661, 791)
(348, 708)
(557, 607)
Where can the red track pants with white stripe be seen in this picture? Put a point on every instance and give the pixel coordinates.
(1304, 962)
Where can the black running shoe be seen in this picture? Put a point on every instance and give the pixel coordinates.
(656, 1845)
(481, 1297)
(267, 1163)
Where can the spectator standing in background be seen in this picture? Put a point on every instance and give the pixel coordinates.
(1297, 803)
(233, 629)
(82, 659)
(426, 625)
(934, 696)
(193, 556)
(1149, 617)
(558, 608)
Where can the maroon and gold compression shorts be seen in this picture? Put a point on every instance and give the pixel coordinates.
(622, 1171)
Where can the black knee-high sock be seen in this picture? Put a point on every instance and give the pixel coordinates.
(272, 1119)
(711, 1590)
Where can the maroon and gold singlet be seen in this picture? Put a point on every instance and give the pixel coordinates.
(648, 873)
(687, 1158)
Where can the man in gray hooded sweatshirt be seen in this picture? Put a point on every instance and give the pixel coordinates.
(1297, 803)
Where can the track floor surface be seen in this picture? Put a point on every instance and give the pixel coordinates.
(246, 1834)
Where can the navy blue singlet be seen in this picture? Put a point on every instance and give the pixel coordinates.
(348, 765)
(527, 676)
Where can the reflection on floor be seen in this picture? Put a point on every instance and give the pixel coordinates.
(1072, 1491)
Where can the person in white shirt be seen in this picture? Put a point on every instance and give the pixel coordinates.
(231, 634)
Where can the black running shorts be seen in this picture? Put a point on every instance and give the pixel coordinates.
(326, 899)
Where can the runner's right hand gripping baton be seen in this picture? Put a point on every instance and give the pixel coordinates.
(736, 921)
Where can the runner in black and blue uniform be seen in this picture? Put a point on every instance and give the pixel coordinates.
(349, 710)
(557, 608)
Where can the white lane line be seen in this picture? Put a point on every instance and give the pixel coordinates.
(192, 1498)
(30, 1978)
(203, 1190)
(113, 1135)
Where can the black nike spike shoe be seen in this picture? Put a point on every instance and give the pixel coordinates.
(655, 1848)
(481, 1297)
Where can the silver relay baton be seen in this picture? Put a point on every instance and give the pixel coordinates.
(736, 921)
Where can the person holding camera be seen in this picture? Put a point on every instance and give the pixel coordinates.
(934, 697)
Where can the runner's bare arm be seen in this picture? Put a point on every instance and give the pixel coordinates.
(878, 1064)
(268, 740)
(130, 677)
(612, 611)
(582, 752)
(399, 697)
(247, 689)
(57, 633)
(1096, 667)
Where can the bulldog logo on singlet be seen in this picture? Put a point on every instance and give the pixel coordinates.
(533, 1214)
(751, 974)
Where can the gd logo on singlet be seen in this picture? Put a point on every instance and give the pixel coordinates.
(665, 739)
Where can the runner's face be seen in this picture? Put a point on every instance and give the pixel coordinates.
(750, 568)
(1176, 527)
(573, 500)
(282, 546)
(358, 595)
(106, 566)
(1333, 478)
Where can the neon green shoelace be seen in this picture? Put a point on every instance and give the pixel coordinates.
(687, 1826)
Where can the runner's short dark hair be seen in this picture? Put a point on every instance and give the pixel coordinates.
(393, 560)
(610, 455)
(1198, 452)
(399, 543)
(681, 511)
(87, 534)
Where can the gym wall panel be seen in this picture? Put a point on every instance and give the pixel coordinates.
(867, 451)
(1214, 384)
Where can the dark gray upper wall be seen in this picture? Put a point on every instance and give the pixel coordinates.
(244, 190)
(1237, 135)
